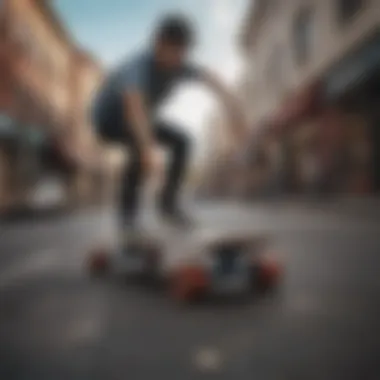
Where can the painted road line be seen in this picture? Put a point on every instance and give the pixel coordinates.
(208, 360)
(35, 263)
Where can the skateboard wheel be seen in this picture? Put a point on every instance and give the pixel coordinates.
(269, 274)
(98, 262)
(188, 283)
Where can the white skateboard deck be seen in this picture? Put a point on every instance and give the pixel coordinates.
(177, 247)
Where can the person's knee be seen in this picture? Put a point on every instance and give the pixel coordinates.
(182, 144)
(135, 157)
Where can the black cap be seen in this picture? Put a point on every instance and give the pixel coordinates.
(175, 29)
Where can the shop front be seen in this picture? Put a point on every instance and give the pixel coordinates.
(266, 160)
(46, 189)
(41, 168)
(352, 90)
(295, 130)
(256, 163)
(8, 158)
(19, 164)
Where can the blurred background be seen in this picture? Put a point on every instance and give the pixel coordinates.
(307, 74)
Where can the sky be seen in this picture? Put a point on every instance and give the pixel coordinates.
(114, 29)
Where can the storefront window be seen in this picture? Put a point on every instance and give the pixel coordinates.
(355, 72)
(303, 32)
(4, 121)
(35, 136)
(347, 9)
(6, 125)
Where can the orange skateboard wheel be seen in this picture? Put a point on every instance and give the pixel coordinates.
(188, 283)
(98, 262)
(269, 274)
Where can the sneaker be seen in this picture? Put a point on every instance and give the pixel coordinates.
(127, 230)
(178, 218)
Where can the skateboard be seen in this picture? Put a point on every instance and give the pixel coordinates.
(222, 262)
(196, 264)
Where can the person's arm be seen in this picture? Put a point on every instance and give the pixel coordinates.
(135, 110)
(136, 113)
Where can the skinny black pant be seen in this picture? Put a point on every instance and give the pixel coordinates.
(178, 146)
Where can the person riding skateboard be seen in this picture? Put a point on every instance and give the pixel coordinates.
(124, 111)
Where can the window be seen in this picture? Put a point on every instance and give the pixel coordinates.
(303, 35)
(347, 9)
(276, 68)
(265, 7)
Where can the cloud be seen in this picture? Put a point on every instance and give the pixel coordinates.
(225, 17)
(227, 14)
(224, 13)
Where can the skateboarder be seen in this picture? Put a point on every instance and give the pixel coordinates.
(124, 112)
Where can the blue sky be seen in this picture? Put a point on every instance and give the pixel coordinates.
(113, 29)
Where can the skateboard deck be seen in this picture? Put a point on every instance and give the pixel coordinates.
(215, 261)
(202, 261)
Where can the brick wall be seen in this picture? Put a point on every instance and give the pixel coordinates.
(273, 72)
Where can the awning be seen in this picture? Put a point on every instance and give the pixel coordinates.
(298, 107)
(355, 69)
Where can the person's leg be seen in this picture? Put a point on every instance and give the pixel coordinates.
(178, 145)
(131, 181)
(111, 129)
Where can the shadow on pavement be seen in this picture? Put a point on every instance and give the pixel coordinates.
(27, 215)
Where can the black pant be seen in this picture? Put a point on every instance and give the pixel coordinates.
(178, 145)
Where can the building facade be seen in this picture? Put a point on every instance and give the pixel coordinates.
(86, 76)
(220, 171)
(7, 136)
(38, 57)
(312, 81)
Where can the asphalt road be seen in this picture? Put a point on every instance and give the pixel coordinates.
(56, 323)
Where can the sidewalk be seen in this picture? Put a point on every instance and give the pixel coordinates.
(35, 214)
(360, 207)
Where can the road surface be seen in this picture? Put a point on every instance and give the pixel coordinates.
(55, 323)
